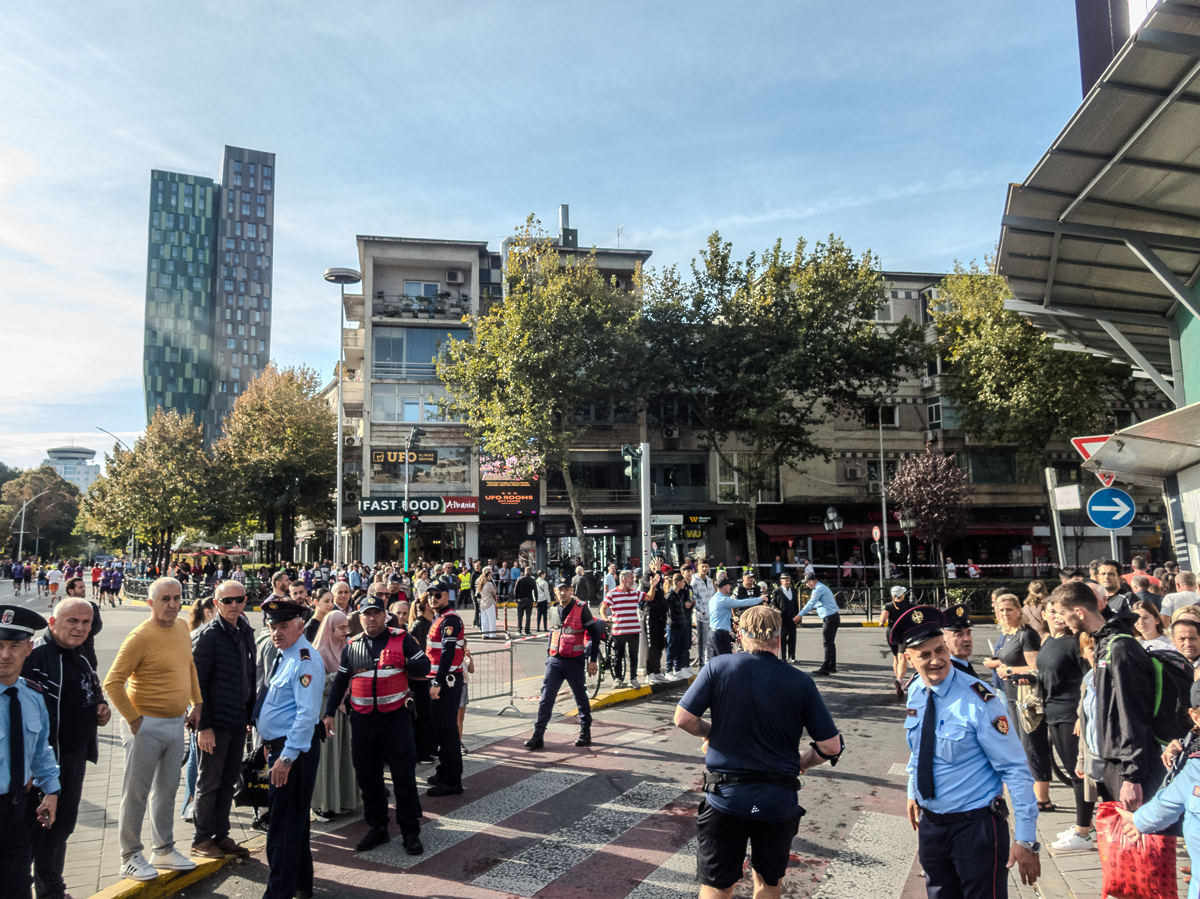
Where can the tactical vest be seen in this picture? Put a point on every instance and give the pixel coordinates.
(566, 640)
(434, 647)
(381, 686)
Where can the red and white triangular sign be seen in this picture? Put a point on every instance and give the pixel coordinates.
(1106, 477)
(1086, 446)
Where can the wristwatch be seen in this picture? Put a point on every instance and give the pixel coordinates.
(1008, 673)
(1034, 847)
(285, 761)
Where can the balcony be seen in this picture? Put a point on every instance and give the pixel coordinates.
(354, 307)
(404, 371)
(353, 343)
(595, 497)
(352, 398)
(443, 307)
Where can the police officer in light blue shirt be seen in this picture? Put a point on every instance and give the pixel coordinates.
(964, 752)
(822, 599)
(289, 707)
(720, 616)
(25, 753)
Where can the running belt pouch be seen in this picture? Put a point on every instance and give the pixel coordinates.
(1133, 869)
(254, 781)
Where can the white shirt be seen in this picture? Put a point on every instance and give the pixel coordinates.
(1173, 601)
(54, 576)
(808, 569)
(951, 570)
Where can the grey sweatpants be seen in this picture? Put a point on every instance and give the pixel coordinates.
(153, 758)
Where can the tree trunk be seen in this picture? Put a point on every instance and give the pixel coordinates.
(272, 546)
(751, 530)
(575, 498)
(287, 533)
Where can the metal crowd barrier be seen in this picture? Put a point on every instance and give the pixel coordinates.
(493, 676)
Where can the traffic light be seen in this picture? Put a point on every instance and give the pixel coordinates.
(633, 459)
(412, 519)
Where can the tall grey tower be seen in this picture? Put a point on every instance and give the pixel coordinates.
(208, 287)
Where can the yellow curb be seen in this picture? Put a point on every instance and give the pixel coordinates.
(172, 882)
(616, 697)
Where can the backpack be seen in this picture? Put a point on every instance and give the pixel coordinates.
(1173, 677)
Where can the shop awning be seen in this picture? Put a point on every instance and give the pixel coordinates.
(1156, 448)
(1101, 243)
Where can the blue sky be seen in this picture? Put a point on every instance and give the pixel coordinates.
(896, 126)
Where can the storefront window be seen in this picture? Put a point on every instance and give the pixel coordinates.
(428, 542)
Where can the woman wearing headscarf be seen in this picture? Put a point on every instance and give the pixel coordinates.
(337, 787)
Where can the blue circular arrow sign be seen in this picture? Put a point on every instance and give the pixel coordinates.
(1110, 508)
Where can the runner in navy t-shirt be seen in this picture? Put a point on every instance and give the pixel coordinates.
(761, 707)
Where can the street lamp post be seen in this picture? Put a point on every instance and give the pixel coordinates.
(833, 522)
(340, 277)
(21, 539)
(908, 524)
(413, 439)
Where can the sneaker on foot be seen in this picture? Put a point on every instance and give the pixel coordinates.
(172, 860)
(1074, 843)
(634, 685)
(137, 868)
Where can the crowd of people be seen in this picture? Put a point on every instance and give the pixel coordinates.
(341, 683)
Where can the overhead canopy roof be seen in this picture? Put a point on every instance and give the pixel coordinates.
(1101, 243)
(1157, 448)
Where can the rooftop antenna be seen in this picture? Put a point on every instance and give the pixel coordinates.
(620, 228)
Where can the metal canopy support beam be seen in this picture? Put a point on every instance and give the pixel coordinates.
(1086, 313)
(1139, 360)
(1050, 270)
(1170, 41)
(1176, 359)
(1176, 168)
(1167, 277)
(1139, 132)
(1101, 232)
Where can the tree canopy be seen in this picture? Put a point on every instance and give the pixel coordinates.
(936, 492)
(767, 350)
(1005, 380)
(49, 519)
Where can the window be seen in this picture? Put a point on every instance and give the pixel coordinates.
(245, 209)
(266, 262)
(264, 233)
(883, 311)
(231, 343)
(995, 467)
(891, 416)
(153, 265)
(730, 481)
(195, 283)
(890, 467)
(229, 210)
(251, 184)
(933, 409)
(258, 316)
(250, 230)
(252, 168)
(228, 285)
(224, 387)
(253, 331)
(266, 183)
(164, 280)
(235, 386)
(156, 235)
(239, 314)
(254, 359)
(410, 352)
(262, 346)
(230, 244)
(235, 372)
(241, 330)
(267, 170)
(170, 223)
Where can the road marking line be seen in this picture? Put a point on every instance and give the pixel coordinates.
(874, 860)
(541, 864)
(898, 769)
(450, 830)
(673, 879)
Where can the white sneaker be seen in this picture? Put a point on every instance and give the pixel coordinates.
(1074, 843)
(172, 861)
(137, 868)
(619, 685)
(1066, 833)
(634, 685)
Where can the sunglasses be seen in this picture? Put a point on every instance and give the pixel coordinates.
(230, 600)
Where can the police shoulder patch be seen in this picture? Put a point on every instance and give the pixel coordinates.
(912, 713)
(305, 656)
(33, 685)
(1001, 724)
(1196, 791)
(982, 689)
(305, 680)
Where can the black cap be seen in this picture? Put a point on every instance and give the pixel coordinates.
(435, 587)
(19, 623)
(282, 609)
(561, 581)
(916, 625)
(958, 617)
(373, 602)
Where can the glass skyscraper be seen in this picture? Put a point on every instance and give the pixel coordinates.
(208, 287)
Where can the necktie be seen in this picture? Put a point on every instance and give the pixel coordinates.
(16, 743)
(928, 742)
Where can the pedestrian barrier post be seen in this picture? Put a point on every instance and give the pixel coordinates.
(493, 677)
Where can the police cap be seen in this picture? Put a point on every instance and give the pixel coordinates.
(916, 625)
(958, 617)
(561, 582)
(282, 610)
(373, 602)
(435, 587)
(19, 623)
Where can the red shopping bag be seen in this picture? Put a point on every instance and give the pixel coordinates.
(1133, 869)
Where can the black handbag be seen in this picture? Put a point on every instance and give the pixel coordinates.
(254, 781)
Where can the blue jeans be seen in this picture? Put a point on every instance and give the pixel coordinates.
(677, 646)
(193, 768)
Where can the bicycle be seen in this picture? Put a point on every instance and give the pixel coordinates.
(603, 662)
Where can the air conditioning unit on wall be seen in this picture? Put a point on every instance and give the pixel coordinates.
(926, 381)
(853, 473)
(353, 441)
(875, 487)
(670, 433)
(456, 276)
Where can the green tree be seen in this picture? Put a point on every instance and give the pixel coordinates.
(278, 455)
(936, 492)
(563, 338)
(767, 350)
(49, 519)
(1006, 382)
(154, 490)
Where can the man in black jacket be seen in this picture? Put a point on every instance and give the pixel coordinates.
(224, 656)
(76, 705)
(523, 592)
(1133, 768)
(77, 589)
(787, 601)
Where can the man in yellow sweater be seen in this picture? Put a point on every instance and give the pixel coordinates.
(150, 684)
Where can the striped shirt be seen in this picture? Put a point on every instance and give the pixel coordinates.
(624, 615)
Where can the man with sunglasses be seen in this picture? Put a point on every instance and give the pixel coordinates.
(224, 655)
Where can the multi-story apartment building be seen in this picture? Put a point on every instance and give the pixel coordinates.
(208, 286)
(74, 464)
(414, 294)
